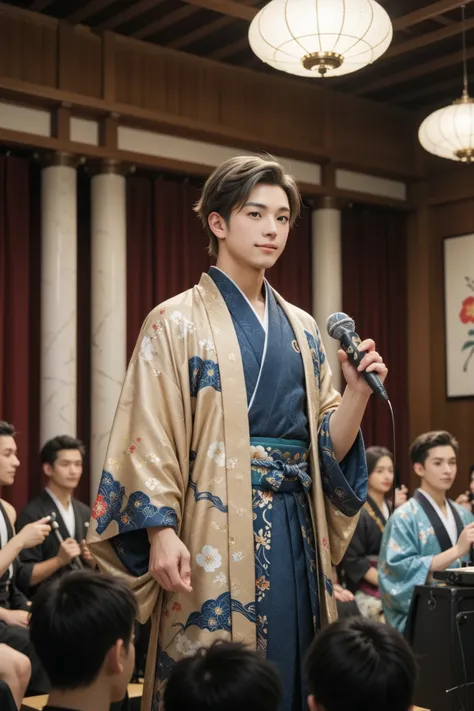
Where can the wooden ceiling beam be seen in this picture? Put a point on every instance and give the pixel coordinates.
(434, 9)
(200, 32)
(226, 7)
(40, 5)
(229, 49)
(429, 90)
(135, 9)
(424, 40)
(88, 9)
(414, 72)
(170, 19)
(205, 30)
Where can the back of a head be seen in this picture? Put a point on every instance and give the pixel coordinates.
(225, 676)
(363, 665)
(75, 621)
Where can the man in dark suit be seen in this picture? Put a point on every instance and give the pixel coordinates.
(62, 462)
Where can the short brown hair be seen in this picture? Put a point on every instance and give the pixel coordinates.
(230, 185)
(420, 448)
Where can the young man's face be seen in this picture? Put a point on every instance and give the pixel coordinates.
(256, 234)
(439, 469)
(9, 461)
(66, 471)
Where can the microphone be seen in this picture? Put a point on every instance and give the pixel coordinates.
(75, 562)
(341, 327)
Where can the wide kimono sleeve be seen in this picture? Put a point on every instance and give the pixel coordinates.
(404, 562)
(345, 482)
(146, 471)
(29, 557)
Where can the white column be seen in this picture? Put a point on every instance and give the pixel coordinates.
(109, 288)
(58, 298)
(327, 275)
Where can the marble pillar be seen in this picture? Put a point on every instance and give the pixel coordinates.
(109, 289)
(327, 275)
(58, 398)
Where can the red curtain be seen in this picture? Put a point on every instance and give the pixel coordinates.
(374, 294)
(20, 316)
(167, 249)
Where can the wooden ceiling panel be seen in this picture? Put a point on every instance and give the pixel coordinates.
(422, 67)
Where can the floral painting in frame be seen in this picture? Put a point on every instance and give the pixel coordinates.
(459, 315)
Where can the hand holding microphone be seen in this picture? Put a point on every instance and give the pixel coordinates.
(360, 361)
(69, 550)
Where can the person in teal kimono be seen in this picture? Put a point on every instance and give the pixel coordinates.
(428, 533)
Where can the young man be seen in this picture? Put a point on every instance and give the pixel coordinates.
(61, 460)
(82, 629)
(225, 676)
(13, 604)
(229, 440)
(428, 533)
(361, 665)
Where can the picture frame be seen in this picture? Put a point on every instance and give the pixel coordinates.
(459, 315)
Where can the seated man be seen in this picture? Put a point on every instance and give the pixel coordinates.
(428, 533)
(13, 604)
(225, 676)
(361, 665)
(61, 459)
(82, 627)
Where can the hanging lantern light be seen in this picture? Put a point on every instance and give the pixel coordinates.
(315, 38)
(449, 132)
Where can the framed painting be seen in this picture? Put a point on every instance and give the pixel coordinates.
(459, 315)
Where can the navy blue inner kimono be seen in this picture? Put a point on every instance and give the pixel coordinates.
(285, 557)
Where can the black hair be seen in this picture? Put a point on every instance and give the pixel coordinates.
(363, 665)
(49, 452)
(420, 448)
(373, 454)
(75, 621)
(225, 676)
(6, 429)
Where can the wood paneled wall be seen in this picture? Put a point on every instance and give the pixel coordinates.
(444, 211)
(199, 98)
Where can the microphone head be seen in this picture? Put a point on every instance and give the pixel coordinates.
(339, 323)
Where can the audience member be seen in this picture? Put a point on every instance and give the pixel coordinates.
(62, 461)
(226, 676)
(13, 603)
(428, 533)
(82, 627)
(359, 664)
(15, 672)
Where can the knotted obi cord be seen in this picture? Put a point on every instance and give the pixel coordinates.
(280, 465)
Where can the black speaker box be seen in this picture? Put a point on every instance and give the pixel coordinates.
(440, 629)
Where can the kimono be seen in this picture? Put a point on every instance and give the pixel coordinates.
(363, 554)
(414, 534)
(39, 507)
(222, 431)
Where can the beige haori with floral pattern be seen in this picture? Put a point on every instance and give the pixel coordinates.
(149, 478)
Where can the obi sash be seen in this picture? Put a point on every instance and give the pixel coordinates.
(280, 465)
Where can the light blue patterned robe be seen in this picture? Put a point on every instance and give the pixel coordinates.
(409, 545)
